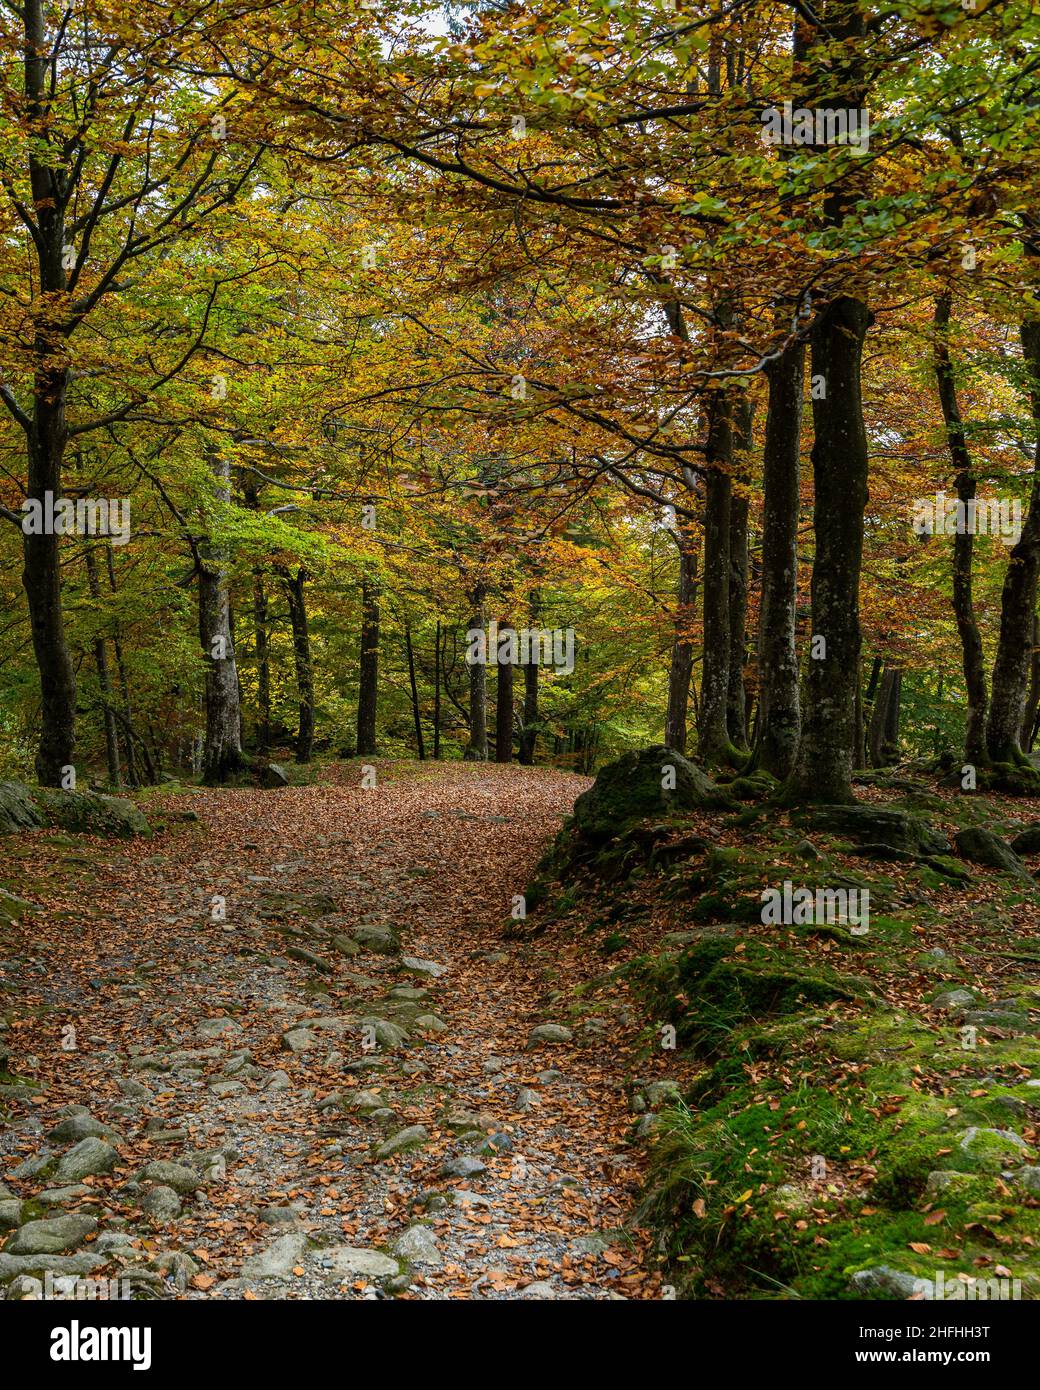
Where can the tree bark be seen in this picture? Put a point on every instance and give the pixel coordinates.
(779, 702)
(437, 693)
(529, 732)
(477, 750)
(823, 767)
(681, 668)
(416, 714)
(115, 774)
(223, 751)
(1018, 599)
(368, 681)
(963, 544)
(263, 663)
(294, 588)
(714, 744)
(736, 696)
(504, 713)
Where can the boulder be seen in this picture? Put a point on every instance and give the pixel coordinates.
(274, 775)
(875, 825)
(17, 809)
(53, 1236)
(983, 847)
(640, 784)
(1027, 841)
(164, 1173)
(89, 1157)
(88, 813)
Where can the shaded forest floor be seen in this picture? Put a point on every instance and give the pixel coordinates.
(283, 1048)
(343, 1116)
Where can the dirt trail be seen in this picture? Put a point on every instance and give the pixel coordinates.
(359, 1124)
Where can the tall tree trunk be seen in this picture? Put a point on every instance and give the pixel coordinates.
(223, 751)
(437, 693)
(1033, 699)
(416, 714)
(736, 696)
(504, 713)
(368, 681)
(963, 543)
(1018, 599)
(713, 734)
(263, 663)
(294, 588)
(126, 721)
(823, 767)
(477, 750)
(115, 775)
(682, 647)
(779, 703)
(529, 732)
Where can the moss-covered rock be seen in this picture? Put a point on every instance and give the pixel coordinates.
(876, 825)
(647, 782)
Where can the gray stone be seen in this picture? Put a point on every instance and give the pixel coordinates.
(10, 1214)
(53, 1236)
(527, 1099)
(165, 1173)
(76, 1127)
(1029, 1178)
(981, 846)
(539, 1289)
(228, 1088)
(550, 1033)
(884, 1282)
(387, 1034)
(348, 1261)
(279, 1081)
(299, 1040)
(990, 1147)
(953, 1000)
(381, 941)
(635, 786)
(463, 1166)
(13, 1265)
(424, 967)
(273, 776)
(412, 1137)
(133, 1089)
(161, 1203)
(278, 1260)
(418, 1246)
(89, 1158)
(345, 945)
(217, 1027)
(61, 1196)
(430, 1023)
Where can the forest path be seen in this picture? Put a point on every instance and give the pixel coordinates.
(362, 1121)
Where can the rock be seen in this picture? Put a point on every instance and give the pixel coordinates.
(17, 809)
(527, 1099)
(430, 1023)
(387, 1034)
(411, 994)
(24, 1286)
(805, 849)
(175, 1265)
(280, 1081)
(62, 1196)
(998, 1018)
(991, 1148)
(366, 1100)
(868, 824)
(418, 1246)
(161, 1203)
(12, 909)
(348, 1262)
(217, 1027)
(13, 1265)
(660, 1093)
(278, 1260)
(76, 1127)
(133, 1089)
(87, 813)
(382, 941)
(464, 1166)
(32, 1167)
(10, 1214)
(89, 1157)
(113, 1240)
(635, 786)
(943, 1179)
(227, 1088)
(424, 967)
(462, 1197)
(1029, 1178)
(280, 1216)
(164, 1173)
(410, 1138)
(274, 775)
(547, 1078)
(1027, 841)
(53, 1236)
(316, 962)
(883, 1282)
(539, 1289)
(549, 1033)
(346, 945)
(299, 1040)
(983, 847)
(497, 1142)
(493, 1066)
(953, 1000)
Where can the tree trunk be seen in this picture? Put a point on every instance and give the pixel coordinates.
(1033, 700)
(736, 696)
(529, 732)
(416, 715)
(1018, 599)
(713, 734)
(478, 735)
(294, 588)
(779, 704)
(963, 544)
(223, 751)
(368, 682)
(263, 663)
(682, 647)
(823, 767)
(115, 775)
(504, 713)
(437, 693)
